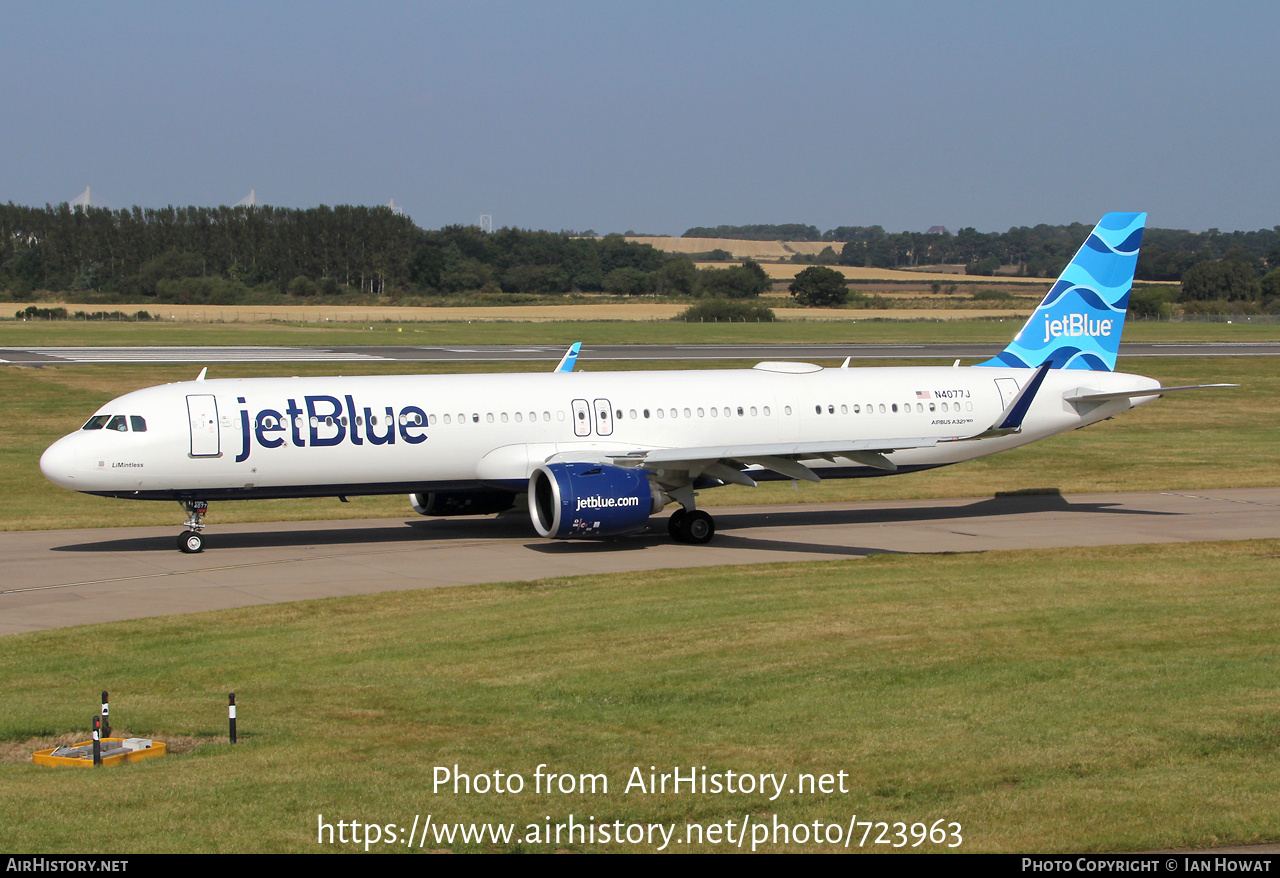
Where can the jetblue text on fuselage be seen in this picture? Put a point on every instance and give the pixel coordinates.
(329, 422)
(1072, 325)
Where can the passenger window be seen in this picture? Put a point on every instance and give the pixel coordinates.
(475, 417)
(118, 423)
(702, 413)
(633, 414)
(687, 413)
(617, 416)
(646, 413)
(715, 412)
(660, 413)
(519, 417)
(447, 419)
(882, 408)
(727, 412)
(505, 419)
(674, 413)
(787, 410)
(753, 411)
(766, 411)
(817, 409)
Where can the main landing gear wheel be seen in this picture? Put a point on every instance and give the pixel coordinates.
(695, 527)
(698, 527)
(191, 542)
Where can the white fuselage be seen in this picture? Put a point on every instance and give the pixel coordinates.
(297, 437)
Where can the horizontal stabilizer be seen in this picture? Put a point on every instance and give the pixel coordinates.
(1082, 395)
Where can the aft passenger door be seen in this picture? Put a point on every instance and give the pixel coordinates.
(1008, 390)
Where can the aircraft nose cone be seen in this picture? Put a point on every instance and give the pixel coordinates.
(58, 463)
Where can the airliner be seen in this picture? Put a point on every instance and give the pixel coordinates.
(596, 454)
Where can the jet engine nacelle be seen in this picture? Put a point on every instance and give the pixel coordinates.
(462, 502)
(576, 500)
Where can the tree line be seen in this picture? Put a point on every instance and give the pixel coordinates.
(226, 255)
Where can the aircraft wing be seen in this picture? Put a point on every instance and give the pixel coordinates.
(725, 462)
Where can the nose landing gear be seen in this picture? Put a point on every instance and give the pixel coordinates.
(191, 542)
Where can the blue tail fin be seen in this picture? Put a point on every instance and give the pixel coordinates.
(1078, 324)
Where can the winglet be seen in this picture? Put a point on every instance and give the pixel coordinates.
(203, 372)
(1011, 418)
(570, 357)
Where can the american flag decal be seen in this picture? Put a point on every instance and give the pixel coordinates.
(924, 394)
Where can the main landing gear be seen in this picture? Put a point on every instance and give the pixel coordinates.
(191, 542)
(691, 526)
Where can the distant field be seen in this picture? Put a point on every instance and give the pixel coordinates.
(623, 311)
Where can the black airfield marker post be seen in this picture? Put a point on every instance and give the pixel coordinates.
(106, 715)
(97, 744)
(231, 714)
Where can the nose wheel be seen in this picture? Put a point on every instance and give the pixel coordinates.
(694, 526)
(191, 542)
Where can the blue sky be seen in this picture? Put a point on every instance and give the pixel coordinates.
(653, 117)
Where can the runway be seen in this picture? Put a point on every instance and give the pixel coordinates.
(598, 353)
(55, 579)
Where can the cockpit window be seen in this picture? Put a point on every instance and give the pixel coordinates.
(97, 422)
(137, 424)
(118, 423)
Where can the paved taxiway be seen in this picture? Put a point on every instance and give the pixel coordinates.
(73, 577)
(590, 352)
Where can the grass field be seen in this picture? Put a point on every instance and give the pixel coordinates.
(1114, 699)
